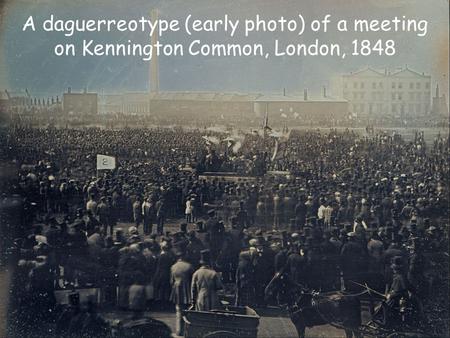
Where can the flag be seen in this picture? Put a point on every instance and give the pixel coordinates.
(211, 140)
(237, 146)
(105, 162)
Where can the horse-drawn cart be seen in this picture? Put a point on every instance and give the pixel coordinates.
(232, 322)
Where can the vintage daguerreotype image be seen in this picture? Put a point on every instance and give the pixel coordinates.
(224, 169)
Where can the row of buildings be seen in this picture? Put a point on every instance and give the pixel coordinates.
(367, 93)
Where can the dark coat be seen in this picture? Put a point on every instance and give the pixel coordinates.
(162, 276)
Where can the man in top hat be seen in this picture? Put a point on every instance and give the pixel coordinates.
(180, 279)
(245, 280)
(394, 250)
(215, 230)
(161, 281)
(263, 261)
(352, 261)
(398, 292)
(242, 216)
(205, 284)
(193, 249)
(183, 228)
(201, 233)
(52, 233)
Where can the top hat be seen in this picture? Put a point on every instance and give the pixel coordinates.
(74, 298)
(183, 227)
(205, 257)
(200, 226)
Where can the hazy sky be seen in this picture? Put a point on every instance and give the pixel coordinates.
(26, 59)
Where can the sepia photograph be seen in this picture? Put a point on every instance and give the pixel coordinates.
(224, 169)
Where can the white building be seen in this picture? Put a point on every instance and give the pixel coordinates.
(372, 93)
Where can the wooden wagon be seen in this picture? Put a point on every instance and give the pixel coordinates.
(232, 322)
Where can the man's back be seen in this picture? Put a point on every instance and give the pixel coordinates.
(181, 271)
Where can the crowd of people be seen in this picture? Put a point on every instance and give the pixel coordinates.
(350, 210)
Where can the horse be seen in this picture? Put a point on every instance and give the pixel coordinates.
(308, 309)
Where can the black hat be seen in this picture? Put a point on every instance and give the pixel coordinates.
(200, 227)
(205, 257)
(179, 247)
(183, 227)
(74, 298)
(211, 212)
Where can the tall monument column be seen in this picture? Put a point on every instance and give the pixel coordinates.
(154, 66)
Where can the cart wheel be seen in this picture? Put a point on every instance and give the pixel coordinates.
(221, 334)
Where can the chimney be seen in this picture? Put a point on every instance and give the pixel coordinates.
(305, 94)
(437, 90)
(284, 91)
(69, 90)
(324, 91)
(154, 66)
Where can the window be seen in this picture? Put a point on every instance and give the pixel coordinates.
(427, 95)
(393, 85)
(411, 108)
(400, 96)
(400, 85)
(362, 85)
(362, 96)
(427, 85)
(393, 96)
(417, 85)
(411, 85)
